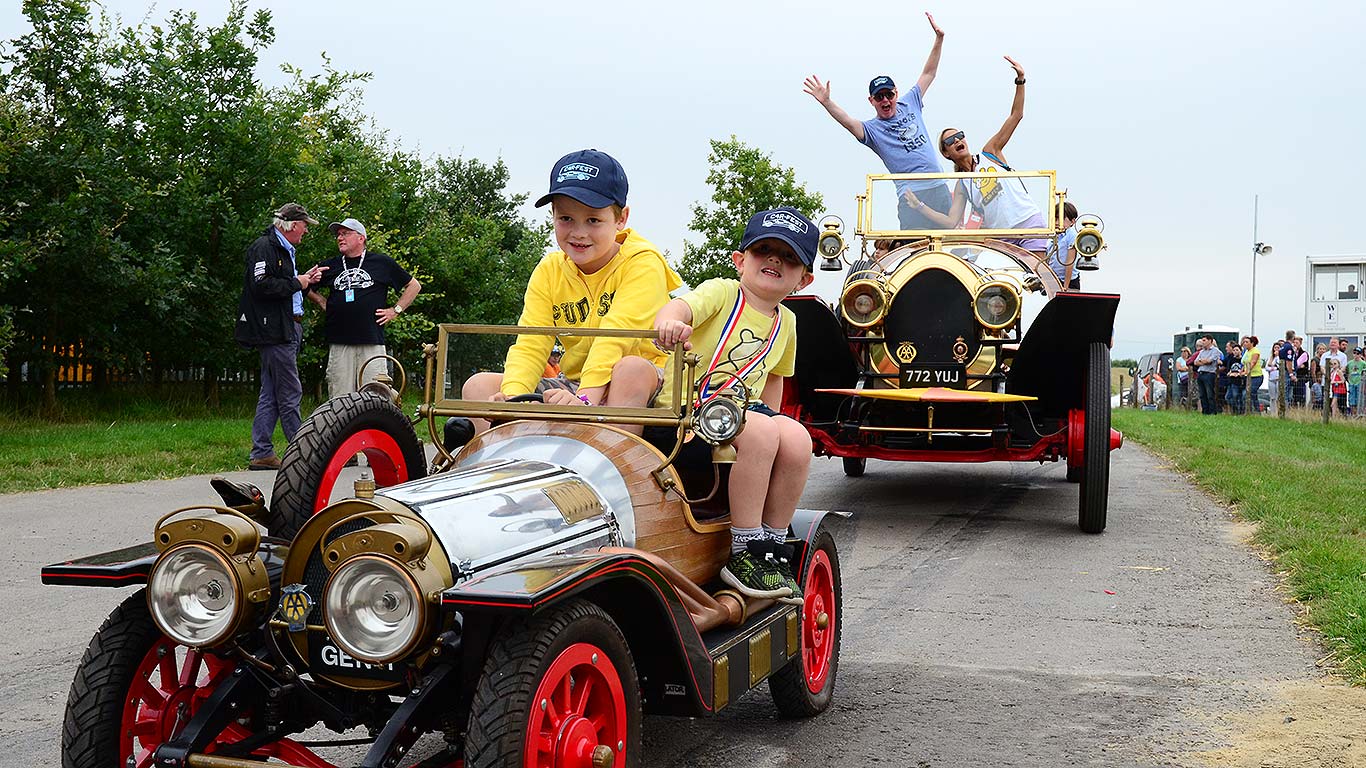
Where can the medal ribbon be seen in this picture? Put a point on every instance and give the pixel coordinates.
(706, 392)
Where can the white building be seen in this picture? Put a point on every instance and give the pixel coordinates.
(1335, 302)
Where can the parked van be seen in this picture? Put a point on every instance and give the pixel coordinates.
(1151, 377)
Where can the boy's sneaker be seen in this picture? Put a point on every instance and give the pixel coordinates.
(785, 570)
(782, 555)
(754, 575)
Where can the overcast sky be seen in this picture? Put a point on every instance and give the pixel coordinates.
(1165, 118)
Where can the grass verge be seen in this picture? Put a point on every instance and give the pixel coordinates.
(1302, 482)
(130, 438)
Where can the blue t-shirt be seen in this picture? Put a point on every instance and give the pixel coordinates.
(902, 142)
(1057, 256)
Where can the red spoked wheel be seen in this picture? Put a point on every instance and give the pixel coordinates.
(819, 622)
(135, 690)
(578, 709)
(168, 687)
(805, 686)
(558, 692)
(355, 423)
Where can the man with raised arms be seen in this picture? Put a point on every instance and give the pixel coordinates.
(897, 134)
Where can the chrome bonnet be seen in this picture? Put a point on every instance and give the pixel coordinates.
(493, 509)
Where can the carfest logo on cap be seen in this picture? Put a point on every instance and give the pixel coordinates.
(785, 219)
(579, 171)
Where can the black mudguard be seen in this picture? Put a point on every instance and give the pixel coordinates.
(1051, 361)
(674, 665)
(824, 358)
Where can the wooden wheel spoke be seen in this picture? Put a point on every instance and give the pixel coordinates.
(585, 690)
(189, 671)
(166, 668)
(152, 696)
(552, 713)
(565, 689)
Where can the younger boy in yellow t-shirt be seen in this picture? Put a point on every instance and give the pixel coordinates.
(603, 276)
(741, 329)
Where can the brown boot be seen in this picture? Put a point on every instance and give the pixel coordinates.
(264, 463)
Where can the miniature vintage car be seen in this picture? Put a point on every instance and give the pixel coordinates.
(924, 358)
(527, 600)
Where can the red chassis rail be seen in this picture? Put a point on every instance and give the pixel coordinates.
(1050, 448)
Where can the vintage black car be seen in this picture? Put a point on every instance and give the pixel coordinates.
(925, 357)
(525, 599)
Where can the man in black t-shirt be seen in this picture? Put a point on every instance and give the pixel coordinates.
(357, 304)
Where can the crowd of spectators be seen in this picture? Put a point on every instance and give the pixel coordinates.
(1220, 381)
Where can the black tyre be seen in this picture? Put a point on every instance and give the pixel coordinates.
(1073, 474)
(854, 467)
(554, 691)
(805, 686)
(135, 689)
(1095, 449)
(357, 422)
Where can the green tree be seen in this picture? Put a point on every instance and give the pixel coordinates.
(208, 147)
(744, 180)
(66, 188)
(137, 163)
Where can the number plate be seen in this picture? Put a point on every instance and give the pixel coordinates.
(326, 658)
(951, 375)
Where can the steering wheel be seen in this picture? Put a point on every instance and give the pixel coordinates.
(530, 397)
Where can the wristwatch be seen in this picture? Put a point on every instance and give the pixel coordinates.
(398, 309)
(1019, 81)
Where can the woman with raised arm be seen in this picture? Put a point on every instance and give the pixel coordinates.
(1003, 203)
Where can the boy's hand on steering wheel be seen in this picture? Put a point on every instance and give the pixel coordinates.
(671, 332)
(562, 397)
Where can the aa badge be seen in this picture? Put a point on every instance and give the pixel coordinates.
(905, 352)
(295, 605)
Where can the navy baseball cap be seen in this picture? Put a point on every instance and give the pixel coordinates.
(786, 224)
(881, 83)
(593, 178)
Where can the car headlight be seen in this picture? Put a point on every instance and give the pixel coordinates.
(373, 609)
(997, 305)
(863, 303)
(1089, 241)
(718, 420)
(194, 595)
(831, 245)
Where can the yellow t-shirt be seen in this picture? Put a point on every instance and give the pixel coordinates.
(711, 304)
(626, 293)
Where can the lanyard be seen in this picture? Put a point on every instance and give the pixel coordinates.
(346, 269)
(706, 392)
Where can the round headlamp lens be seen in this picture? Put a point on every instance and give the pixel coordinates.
(372, 609)
(1088, 243)
(718, 420)
(193, 596)
(996, 306)
(830, 246)
(863, 303)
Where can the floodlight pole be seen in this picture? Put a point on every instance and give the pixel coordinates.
(1256, 247)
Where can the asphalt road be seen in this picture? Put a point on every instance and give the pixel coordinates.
(981, 628)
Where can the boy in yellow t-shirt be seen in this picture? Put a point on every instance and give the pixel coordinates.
(742, 330)
(603, 276)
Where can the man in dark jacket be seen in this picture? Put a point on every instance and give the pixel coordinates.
(270, 317)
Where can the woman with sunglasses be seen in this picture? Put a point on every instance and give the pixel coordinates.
(1003, 203)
